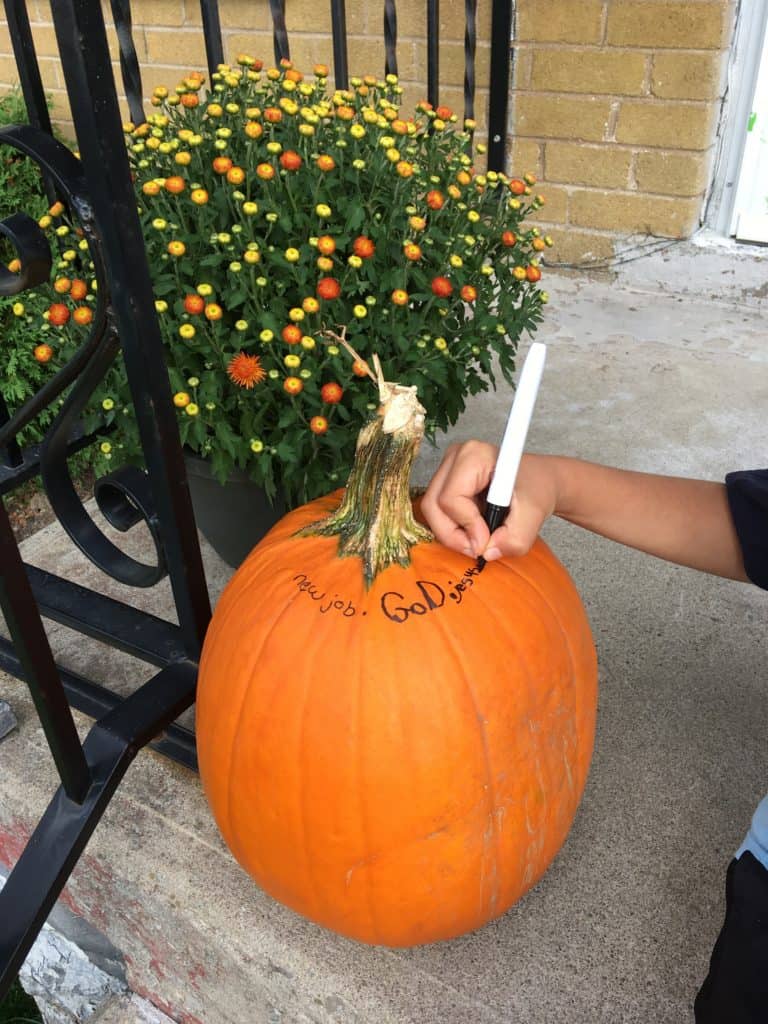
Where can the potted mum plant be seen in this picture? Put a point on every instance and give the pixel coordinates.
(280, 218)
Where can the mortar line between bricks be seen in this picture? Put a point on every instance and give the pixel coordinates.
(639, 147)
(649, 100)
(577, 188)
(545, 45)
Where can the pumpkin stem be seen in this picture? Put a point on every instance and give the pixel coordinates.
(375, 518)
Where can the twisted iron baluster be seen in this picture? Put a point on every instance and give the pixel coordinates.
(470, 46)
(433, 51)
(279, 31)
(390, 37)
(129, 62)
(214, 51)
(501, 63)
(339, 28)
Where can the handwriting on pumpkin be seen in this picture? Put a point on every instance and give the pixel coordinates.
(396, 607)
(324, 602)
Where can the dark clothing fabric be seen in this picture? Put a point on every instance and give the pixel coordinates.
(748, 499)
(736, 988)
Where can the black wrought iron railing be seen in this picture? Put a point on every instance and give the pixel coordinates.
(98, 191)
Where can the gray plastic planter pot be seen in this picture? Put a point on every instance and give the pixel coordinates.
(232, 517)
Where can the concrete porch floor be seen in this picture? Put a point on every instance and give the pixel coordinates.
(621, 927)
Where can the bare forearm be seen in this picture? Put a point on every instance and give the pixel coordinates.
(681, 520)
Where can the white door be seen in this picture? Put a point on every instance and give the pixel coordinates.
(750, 212)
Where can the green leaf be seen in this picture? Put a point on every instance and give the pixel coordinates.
(226, 437)
(165, 288)
(355, 219)
(221, 466)
(285, 452)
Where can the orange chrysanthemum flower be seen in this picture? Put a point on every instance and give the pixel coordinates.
(245, 370)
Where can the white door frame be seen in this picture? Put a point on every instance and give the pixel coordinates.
(743, 67)
(750, 214)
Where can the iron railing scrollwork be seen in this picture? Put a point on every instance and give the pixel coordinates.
(33, 251)
(98, 192)
(87, 368)
(28, 69)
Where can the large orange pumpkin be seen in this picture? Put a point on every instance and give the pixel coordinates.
(393, 742)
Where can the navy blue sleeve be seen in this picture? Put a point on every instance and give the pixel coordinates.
(748, 499)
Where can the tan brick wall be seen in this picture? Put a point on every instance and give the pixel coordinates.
(615, 103)
(169, 43)
(615, 108)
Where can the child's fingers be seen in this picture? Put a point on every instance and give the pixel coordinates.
(451, 503)
(517, 533)
(446, 529)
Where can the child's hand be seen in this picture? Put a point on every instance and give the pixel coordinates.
(453, 502)
(688, 522)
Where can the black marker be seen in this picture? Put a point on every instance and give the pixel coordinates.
(504, 475)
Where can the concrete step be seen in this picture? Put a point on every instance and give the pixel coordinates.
(130, 1010)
